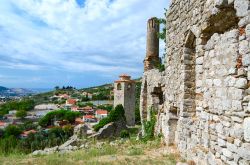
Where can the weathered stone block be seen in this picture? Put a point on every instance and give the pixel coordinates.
(244, 47)
(243, 151)
(248, 31)
(241, 7)
(237, 142)
(236, 105)
(221, 142)
(217, 82)
(244, 162)
(241, 83)
(227, 153)
(231, 147)
(244, 21)
(237, 119)
(246, 127)
(246, 59)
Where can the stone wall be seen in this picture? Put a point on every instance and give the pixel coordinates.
(205, 109)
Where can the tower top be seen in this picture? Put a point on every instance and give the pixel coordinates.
(124, 78)
(153, 24)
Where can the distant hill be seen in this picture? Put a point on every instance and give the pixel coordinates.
(5, 92)
(3, 88)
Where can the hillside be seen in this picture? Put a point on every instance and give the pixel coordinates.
(101, 92)
(5, 92)
(2, 89)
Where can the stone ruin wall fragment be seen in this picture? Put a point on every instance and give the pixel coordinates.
(205, 109)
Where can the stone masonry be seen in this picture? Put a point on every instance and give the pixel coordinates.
(152, 57)
(202, 97)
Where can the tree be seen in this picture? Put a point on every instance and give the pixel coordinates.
(57, 88)
(21, 114)
(58, 115)
(115, 115)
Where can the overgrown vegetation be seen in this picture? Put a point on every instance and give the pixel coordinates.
(162, 35)
(11, 143)
(137, 102)
(24, 105)
(116, 114)
(100, 92)
(124, 134)
(123, 152)
(149, 126)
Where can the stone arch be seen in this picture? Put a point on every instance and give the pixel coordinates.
(119, 86)
(172, 124)
(158, 98)
(189, 73)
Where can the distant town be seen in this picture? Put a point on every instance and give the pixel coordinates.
(92, 104)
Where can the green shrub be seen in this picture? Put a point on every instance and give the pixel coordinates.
(114, 115)
(124, 134)
(21, 114)
(9, 145)
(12, 130)
(149, 126)
(25, 105)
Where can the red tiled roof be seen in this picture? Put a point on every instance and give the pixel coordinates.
(89, 117)
(71, 101)
(2, 123)
(78, 120)
(74, 108)
(101, 112)
(29, 132)
(87, 108)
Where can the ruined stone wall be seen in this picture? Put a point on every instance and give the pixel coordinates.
(206, 109)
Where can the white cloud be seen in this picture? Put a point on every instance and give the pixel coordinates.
(101, 36)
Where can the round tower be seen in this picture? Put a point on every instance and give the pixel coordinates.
(152, 51)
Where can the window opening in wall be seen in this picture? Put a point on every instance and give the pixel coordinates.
(119, 86)
(129, 86)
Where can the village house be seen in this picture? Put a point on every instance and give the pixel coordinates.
(100, 114)
(13, 112)
(74, 108)
(71, 102)
(89, 118)
(88, 95)
(79, 121)
(3, 125)
(87, 110)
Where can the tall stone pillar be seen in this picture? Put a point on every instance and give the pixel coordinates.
(152, 53)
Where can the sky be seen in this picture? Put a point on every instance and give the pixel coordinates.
(81, 43)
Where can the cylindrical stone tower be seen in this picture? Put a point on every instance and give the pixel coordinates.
(152, 53)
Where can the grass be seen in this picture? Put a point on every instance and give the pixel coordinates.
(125, 152)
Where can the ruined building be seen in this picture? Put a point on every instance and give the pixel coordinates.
(124, 94)
(202, 97)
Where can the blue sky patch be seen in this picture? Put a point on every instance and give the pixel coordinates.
(80, 2)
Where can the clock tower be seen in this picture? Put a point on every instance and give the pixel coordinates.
(124, 94)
